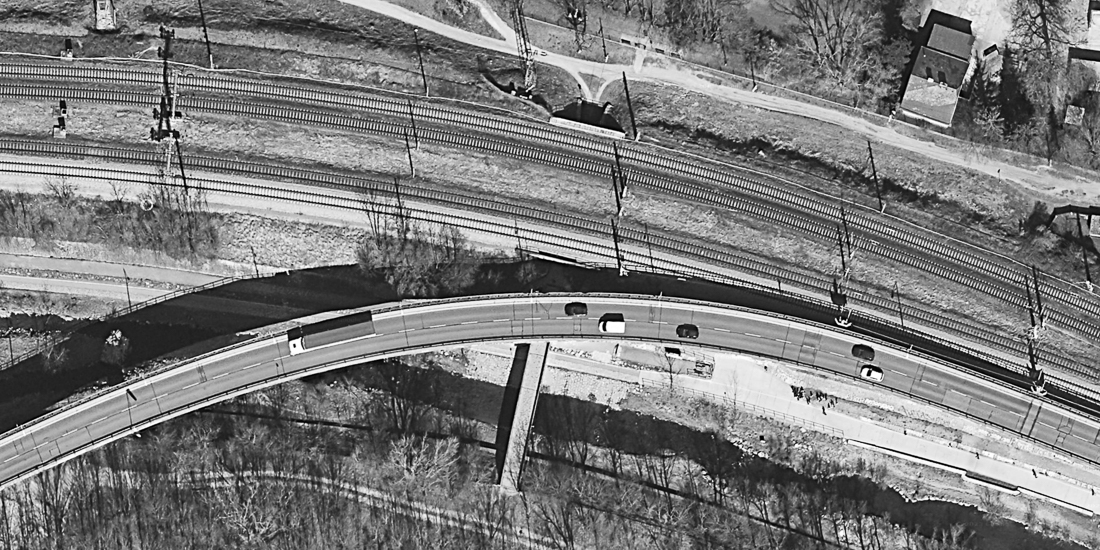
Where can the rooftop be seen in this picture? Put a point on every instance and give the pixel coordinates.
(951, 42)
(940, 67)
(930, 101)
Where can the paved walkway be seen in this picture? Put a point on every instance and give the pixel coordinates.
(116, 291)
(1037, 177)
(106, 269)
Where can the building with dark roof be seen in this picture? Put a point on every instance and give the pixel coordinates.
(940, 69)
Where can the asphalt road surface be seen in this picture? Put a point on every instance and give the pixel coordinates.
(426, 325)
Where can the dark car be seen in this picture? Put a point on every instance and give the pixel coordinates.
(576, 309)
(687, 331)
(864, 352)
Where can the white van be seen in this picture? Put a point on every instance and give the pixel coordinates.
(613, 323)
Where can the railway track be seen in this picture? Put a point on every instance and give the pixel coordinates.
(655, 182)
(1007, 291)
(633, 237)
(1006, 269)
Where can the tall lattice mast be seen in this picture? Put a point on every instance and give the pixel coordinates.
(519, 23)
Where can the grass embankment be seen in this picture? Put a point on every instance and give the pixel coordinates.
(324, 39)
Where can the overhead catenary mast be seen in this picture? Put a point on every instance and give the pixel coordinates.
(523, 45)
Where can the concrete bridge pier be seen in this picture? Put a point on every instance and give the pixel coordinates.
(517, 412)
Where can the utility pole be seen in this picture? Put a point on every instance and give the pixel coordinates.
(1038, 297)
(649, 244)
(1084, 253)
(897, 296)
(168, 103)
(420, 58)
(619, 165)
(843, 255)
(603, 41)
(615, 189)
(408, 150)
(519, 241)
(523, 44)
(412, 119)
(618, 253)
(130, 395)
(400, 205)
(126, 278)
(630, 107)
(878, 192)
(847, 233)
(1030, 303)
(205, 35)
(165, 52)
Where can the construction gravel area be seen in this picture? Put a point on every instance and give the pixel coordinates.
(484, 175)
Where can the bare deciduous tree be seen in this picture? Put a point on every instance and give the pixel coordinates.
(835, 33)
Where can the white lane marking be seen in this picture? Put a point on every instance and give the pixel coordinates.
(1048, 425)
(250, 366)
(988, 403)
(929, 383)
(1081, 438)
(10, 459)
(66, 434)
(500, 320)
(475, 322)
(898, 372)
(753, 335)
(437, 326)
(97, 421)
(659, 322)
(958, 392)
(191, 386)
(630, 320)
(531, 318)
(784, 341)
(406, 330)
(719, 329)
(221, 375)
(842, 355)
